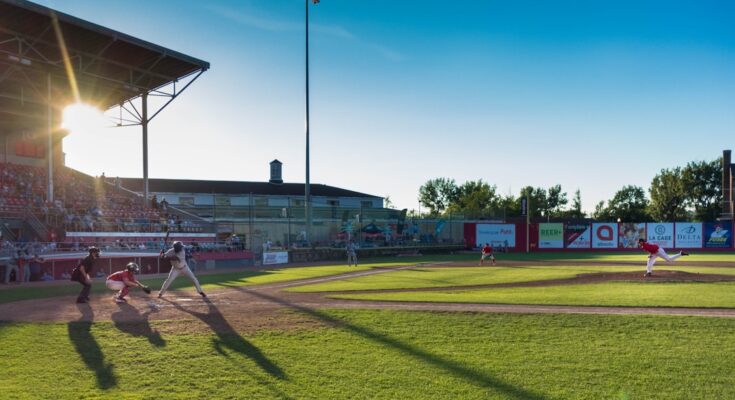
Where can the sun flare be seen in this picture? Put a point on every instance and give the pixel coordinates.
(83, 119)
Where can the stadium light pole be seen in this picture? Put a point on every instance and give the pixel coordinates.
(307, 194)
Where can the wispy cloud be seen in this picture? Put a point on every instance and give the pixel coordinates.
(278, 25)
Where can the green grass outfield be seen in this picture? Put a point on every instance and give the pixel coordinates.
(461, 276)
(379, 355)
(626, 294)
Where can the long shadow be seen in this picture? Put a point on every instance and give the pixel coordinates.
(227, 337)
(80, 334)
(132, 322)
(453, 367)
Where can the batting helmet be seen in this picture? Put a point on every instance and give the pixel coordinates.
(133, 267)
(94, 249)
(178, 246)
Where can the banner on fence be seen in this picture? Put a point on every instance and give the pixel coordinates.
(276, 257)
(496, 233)
(688, 235)
(629, 233)
(661, 233)
(717, 235)
(551, 235)
(605, 235)
(578, 236)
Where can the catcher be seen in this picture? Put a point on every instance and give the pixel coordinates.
(123, 280)
(177, 256)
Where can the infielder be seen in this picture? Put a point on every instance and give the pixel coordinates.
(123, 280)
(487, 251)
(177, 256)
(654, 251)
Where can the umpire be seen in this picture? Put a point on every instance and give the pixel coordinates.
(83, 274)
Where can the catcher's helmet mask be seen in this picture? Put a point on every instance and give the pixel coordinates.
(133, 267)
(94, 249)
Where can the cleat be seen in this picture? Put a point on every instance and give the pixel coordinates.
(160, 295)
(203, 295)
(81, 301)
(119, 300)
(648, 275)
(684, 253)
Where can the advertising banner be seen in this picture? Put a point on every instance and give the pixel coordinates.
(276, 257)
(498, 234)
(605, 235)
(629, 233)
(688, 235)
(661, 233)
(717, 235)
(551, 236)
(578, 236)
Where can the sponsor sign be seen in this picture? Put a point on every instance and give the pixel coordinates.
(605, 235)
(629, 233)
(495, 233)
(717, 235)
(578, 236)
(276, 257)
(688, 235)
(660, 233)
(551, 236)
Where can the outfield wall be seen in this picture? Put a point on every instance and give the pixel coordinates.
(604, 236)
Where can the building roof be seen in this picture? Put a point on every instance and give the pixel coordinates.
(110, 67)
(237, 188)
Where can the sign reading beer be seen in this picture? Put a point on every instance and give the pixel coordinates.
(550, 235)
(605, 235)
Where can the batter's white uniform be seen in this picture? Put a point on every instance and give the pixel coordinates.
(178, 267)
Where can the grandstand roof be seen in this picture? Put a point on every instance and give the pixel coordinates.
(110, 67)
(237, 188)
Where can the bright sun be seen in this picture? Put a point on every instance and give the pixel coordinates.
(83, 119)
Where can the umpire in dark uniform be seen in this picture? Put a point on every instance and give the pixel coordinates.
(83, 274)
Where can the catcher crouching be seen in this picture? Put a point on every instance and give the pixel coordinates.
(123, 280)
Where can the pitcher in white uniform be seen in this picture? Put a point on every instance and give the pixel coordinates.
(177, 256)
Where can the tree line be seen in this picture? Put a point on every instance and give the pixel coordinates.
(691, 193)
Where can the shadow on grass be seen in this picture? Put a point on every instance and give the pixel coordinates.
(129, 320)
(455, 368)
(80, 334)
(227, 337)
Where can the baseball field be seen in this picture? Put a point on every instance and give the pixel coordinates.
(544, 326)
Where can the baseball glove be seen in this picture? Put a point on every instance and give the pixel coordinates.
(146, 289)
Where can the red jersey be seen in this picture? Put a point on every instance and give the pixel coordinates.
(487, 250)
(651, 248)
(121, 275)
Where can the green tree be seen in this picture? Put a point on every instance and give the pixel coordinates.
(537, 201)
(437, 194)
(476, 199)
(555, 201)
(629, 204)
(575, 211)
(602, 213)
(668, 196)
(703, 186)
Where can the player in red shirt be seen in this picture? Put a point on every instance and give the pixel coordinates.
(487, 251)
(123, 280)
(654, 251)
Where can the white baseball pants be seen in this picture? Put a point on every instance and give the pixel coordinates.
(175, 272)
(661, 253)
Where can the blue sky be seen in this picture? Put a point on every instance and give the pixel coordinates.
(591, 95)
